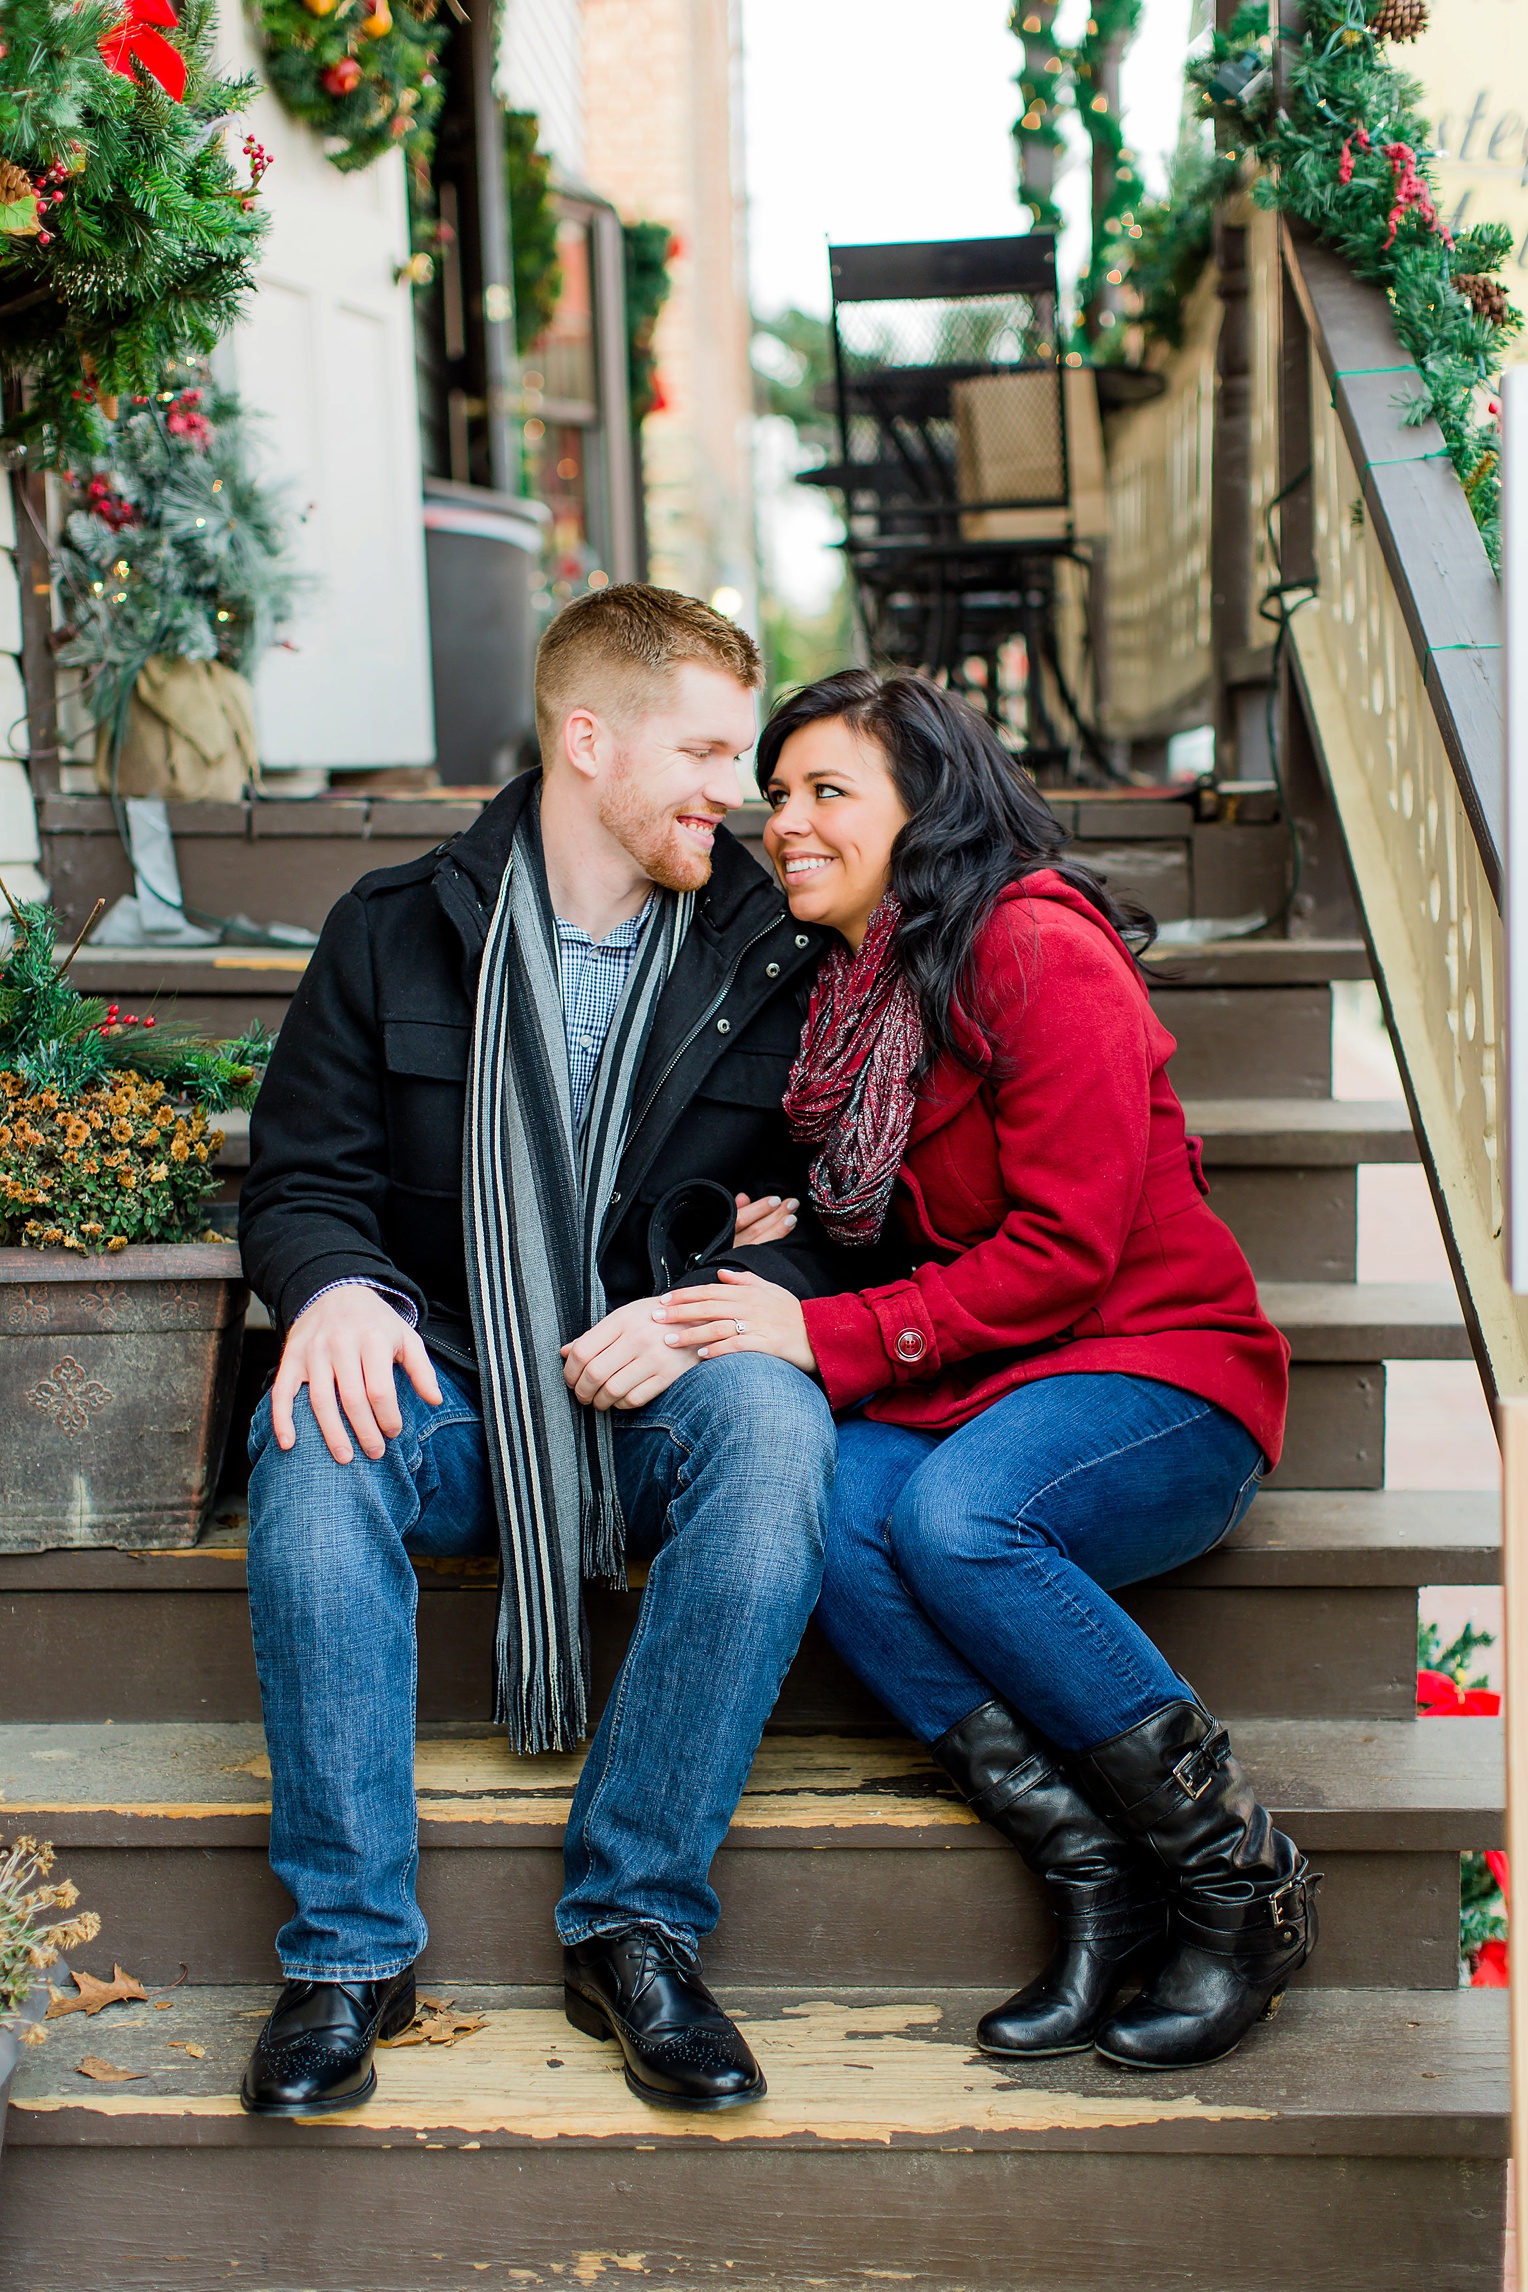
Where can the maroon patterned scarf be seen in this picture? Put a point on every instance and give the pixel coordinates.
(850, 1091)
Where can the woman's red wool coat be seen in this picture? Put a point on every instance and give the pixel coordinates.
(1058, 1205)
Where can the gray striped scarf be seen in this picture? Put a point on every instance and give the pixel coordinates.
(534, 1195)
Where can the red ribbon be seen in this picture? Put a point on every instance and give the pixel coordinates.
(134, 41)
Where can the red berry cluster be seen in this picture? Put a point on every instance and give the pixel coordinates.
(116, 1019)
(185, 420)
(259, 166)
(111, 508)
(49, 195)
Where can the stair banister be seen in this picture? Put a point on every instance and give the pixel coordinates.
(1398, 661)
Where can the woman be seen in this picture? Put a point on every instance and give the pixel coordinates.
(1073, 1390)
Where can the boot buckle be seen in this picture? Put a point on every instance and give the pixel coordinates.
(1195, 1771)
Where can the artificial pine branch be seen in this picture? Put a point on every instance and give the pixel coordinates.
(175, 546)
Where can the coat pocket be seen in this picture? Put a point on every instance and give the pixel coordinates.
(425, 1084)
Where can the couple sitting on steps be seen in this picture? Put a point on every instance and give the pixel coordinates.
(523, 1203)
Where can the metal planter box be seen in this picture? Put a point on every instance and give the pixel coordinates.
(116, 1387)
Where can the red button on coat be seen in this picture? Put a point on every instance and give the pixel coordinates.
(910, 1345)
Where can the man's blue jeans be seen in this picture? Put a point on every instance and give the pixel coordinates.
(724, 1481)
(978, 1565)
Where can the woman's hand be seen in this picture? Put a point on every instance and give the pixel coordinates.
(738, 1313)
(769, 1219)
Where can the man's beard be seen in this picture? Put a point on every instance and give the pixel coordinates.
(650, 833)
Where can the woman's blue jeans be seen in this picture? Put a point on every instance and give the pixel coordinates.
(978, 1564)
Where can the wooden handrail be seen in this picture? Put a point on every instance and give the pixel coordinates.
(1415, 504)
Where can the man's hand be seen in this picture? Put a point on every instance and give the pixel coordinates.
(624, 1361)
(769, 1219)
(346, 1345)
(738, 1313)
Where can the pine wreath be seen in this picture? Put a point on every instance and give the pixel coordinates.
(362, 76)
(128, 237)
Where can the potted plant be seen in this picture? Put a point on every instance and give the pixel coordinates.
(121, 1314)
(31, 1940)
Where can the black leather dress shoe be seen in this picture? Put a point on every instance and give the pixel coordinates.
(314, 2053)
(681, 2050)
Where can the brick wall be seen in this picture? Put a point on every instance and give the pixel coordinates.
(664, 143)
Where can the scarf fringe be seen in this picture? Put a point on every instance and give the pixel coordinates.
(603, 1542)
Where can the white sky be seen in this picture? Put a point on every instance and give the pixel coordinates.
(892, 119)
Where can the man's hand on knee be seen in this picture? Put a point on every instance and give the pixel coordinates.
(344, 1348)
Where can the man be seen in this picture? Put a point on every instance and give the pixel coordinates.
(480, 1149)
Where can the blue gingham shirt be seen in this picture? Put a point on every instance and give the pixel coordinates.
(592, 974)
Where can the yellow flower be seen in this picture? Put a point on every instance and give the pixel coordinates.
(150, 1138)
(158, 1174)
(118, 1241)
(127, 1179)
(199, 1153)
(122, 1131)
(179, 1150)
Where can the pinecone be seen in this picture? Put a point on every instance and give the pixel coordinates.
(1399, 20)
(1487, 297)
(15, 183)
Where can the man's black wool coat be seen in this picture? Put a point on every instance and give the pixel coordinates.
(356, 1139)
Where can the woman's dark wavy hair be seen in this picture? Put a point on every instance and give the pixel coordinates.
(976, 823)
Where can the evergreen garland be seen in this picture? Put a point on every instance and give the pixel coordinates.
(532, 227)
(1112, 22)
(174, 548)
(1347, 153)
(1042, 84)
(1173, 238)
(650, 248)
(128, 239)
(363, 77)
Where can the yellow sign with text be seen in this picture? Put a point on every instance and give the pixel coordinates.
(1472, 62)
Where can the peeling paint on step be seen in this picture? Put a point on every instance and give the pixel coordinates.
(815, 2055)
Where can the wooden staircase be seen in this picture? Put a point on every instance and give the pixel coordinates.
(1356, 2145)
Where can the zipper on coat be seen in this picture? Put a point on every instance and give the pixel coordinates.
(722, 992)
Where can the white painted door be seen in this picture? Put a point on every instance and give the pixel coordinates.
(327, 355)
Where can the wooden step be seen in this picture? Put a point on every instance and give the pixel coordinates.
(1297, 1133)
(1367, 1320)
(1283, 1174)
(1355, 2144)
(847, 1852)
(1308, 1610)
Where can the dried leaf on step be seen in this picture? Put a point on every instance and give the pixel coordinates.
(106, 2073)
(184, 2045)
(93, 1994)
(441, 2027)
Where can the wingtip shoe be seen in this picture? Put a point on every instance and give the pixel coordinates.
(314, 2053)
(681, 2050)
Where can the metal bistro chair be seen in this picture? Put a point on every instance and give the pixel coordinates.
(972, 457)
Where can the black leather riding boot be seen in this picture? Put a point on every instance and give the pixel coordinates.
(681, 2050)
(1243, 1895)
(1111, 1919)
(314, 2053)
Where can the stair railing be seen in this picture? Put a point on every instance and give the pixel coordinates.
(1397, 657)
